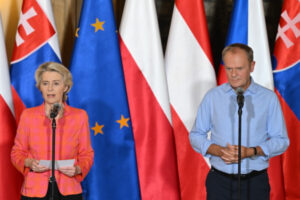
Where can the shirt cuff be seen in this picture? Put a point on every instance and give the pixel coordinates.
(266, 152)
(205, 148)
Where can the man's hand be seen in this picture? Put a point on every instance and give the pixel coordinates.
(229, 154)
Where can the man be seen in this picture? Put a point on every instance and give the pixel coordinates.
(263, 133)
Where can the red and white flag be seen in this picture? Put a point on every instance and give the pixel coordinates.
(285, 172)
(190, 75)
(11, 179)
(147, 91)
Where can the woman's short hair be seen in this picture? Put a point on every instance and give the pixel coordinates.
(232, 48)
(54, 67)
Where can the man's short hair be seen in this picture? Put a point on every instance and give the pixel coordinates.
(232, 48)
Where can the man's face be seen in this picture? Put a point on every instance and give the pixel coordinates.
(238, 68)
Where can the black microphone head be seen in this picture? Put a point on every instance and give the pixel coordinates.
(239, 91)
(57, 106)
(55, 109)
(240, 96)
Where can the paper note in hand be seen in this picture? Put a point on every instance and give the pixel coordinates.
(58, 163)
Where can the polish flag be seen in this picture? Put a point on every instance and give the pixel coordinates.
(190, 74)
(147, 91)
(11, 179)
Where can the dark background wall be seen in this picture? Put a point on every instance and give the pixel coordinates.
(67, 13)
(218, 13)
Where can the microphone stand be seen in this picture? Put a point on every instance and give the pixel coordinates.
(240, 101)
(52, 178)
(239, 151)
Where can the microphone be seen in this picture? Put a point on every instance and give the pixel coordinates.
(55, 109)
(240, 96)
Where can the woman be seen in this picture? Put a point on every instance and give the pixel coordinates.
(33, 141)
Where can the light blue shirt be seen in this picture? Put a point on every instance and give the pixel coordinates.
(262, 125)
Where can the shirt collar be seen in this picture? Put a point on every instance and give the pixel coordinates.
(252, 87)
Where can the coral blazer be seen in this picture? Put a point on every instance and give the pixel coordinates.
(34, 140)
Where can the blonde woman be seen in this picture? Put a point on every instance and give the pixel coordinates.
(33, 141)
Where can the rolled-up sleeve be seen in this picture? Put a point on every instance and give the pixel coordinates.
(278, 140)
(198, 134)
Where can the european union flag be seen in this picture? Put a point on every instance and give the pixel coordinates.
(99, 88)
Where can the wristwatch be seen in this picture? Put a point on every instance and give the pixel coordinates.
(255, 150)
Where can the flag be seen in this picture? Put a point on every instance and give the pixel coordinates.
(11, 179)
(190, 75)
(147, 91)
(36, 43)
(99, 88)
(286, 66)
(248, 26)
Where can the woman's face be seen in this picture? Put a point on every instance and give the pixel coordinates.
(52, 87)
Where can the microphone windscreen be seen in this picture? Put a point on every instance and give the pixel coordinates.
(239, 91)
(55, 109)
(57, 106)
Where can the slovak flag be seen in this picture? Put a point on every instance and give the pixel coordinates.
(36, 43)
(248, 26)
(286, 66)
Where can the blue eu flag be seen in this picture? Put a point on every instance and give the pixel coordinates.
(99, 88)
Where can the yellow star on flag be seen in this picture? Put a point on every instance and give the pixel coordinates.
(98, 25)
(123, 122)
(76, 33)
(97, 129)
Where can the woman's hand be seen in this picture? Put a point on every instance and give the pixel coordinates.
(70, 171)
(33, 164)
